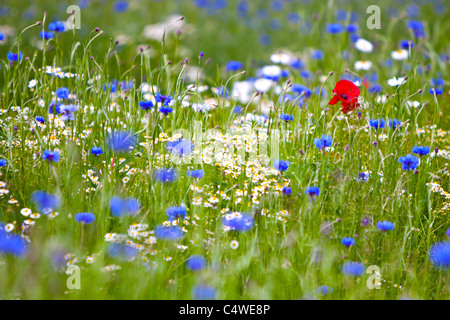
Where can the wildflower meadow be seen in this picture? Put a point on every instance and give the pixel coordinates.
(224, 149)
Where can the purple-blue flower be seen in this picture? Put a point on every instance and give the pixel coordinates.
(323, 142)
(44, 201)
(385, 225)
(169, 233)
(440, 255)
(14, 56)
(203, 292)
(421, 151)
(57, 26)
(347, 241)
(50, 156)
(409, 162)
(68, 111)
(312, 192)
(352, 268)
(281, 165)
(234, 65)
(62, 93)
(238, 221)
(196, 263)
(96, 151)
(165, 175)
(197, 174)
(85, 217)
(174, 213)
(122, 141)
(286, 117)
(146, 105)
(377, 123)
(120, 206)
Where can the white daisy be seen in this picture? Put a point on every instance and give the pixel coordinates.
(399, 54)
(363, 45)
(363, 65)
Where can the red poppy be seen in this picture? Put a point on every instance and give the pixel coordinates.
(346, 92)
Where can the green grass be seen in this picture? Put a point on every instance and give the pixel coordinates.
(285, 258)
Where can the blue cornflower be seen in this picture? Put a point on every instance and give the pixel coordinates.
(122, 141)
(96, 151)
(300, 89)
(121, 6)
(334, 28)
(14, 56)
(57, 26)
(293, 17)
(46, 35)
(197, 174)
(168, 233)
(323, 142)
(12, 244)
(351, 28)
(436, 91)
(375, 88)
(281, 165)
(305, 74)
(440, 255)
(146, 105)
(286, 117)
(417, 27)
(196, 263)
(55, 106)
(121, 250)
(174, 213)
(406, 43)
(165, 175)
(3, 162)
(181, 147)
(265, 39)
(85, 217)
(394, 123)
(354, 37)
(164, 100)
(40, 119)
(277, 5)
(50, 156)
(317, 55)
(238, 221)
(234, 65)
(202, 292)
(287, 191)
(120, 206)
(296, 64)
(221, 92)
(68, 111)
(439, 82)
(377, 123)
(324, 290)
(363, 176)
(237, 109)
(421, 151)
(62, 93)
(347, 241)
(45, 202)
(312, 192)
(2, 36)
(409, 162)
(354, 269)
(165, 110)
(385, 225)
